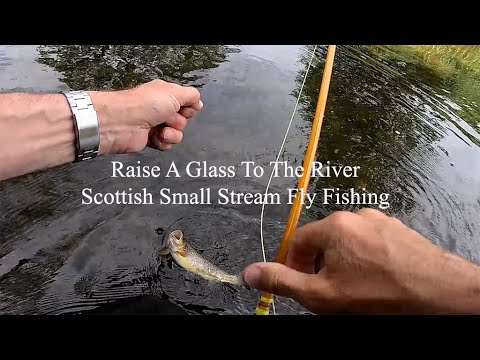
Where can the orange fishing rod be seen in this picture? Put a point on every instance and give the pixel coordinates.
(266, 300)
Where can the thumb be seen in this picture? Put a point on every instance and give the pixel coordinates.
(188, 96)
(278, 279)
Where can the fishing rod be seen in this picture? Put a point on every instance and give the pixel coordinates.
(266, 299)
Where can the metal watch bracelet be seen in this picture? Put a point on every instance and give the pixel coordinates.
(85, 117)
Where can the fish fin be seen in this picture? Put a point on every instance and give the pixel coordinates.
(182, 253)
(163, 252)
(236, 281)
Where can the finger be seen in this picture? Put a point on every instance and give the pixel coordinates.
(376, 218)
(372, 215)
(308, 243)
(188, 96)
(312, 236)
(319, 264)
(170, 135)
(164, 147)
(155, 142)
(280, 280)
(313, 239)
(198, 105)
(177, 122)
(188, 112)
(300, 260)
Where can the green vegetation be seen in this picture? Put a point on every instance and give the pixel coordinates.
(445, 60)
(456, 67)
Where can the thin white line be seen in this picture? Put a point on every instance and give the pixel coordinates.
(278, 157)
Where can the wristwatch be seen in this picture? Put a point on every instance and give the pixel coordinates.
(87, 132)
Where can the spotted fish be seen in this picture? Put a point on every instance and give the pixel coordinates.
(189, 259)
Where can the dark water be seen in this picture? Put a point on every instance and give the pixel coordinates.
(399, 121)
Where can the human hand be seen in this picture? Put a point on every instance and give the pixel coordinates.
(368, 262)
(153, 114)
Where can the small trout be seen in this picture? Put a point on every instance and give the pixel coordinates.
(189, 259)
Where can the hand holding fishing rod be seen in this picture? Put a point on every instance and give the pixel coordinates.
(363, 262)
(368, 262)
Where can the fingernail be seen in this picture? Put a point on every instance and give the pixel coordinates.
(201, 104)
(251, 275)
(168, 135)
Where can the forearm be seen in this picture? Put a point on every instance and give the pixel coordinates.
(452, 286)
(36, 132)
(464, 279)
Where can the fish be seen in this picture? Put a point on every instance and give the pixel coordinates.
(185, 256)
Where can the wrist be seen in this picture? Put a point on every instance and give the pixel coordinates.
(109, 105)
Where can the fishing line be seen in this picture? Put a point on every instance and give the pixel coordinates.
(278, 157)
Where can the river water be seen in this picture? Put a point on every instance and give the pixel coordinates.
(406, 127)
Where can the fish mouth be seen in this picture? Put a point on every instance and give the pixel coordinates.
(177, 235)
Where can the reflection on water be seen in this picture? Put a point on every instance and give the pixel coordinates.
(123, 66)
(372, 121)
(411, 129)
(380, 117)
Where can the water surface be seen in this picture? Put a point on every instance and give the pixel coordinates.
(412, 130)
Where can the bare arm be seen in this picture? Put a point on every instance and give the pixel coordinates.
(37, 131)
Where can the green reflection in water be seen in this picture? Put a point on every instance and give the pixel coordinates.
(454, 68)
(372, 120)
(123, 66)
